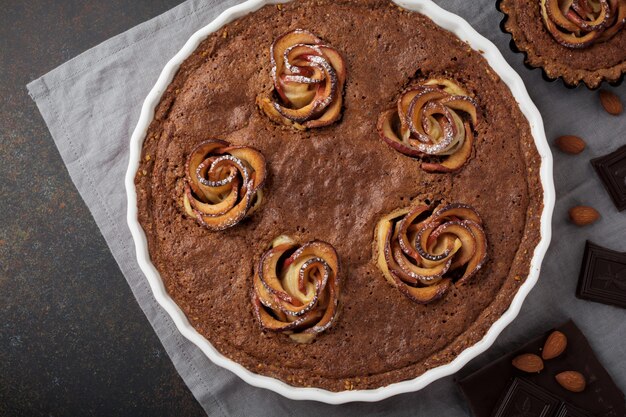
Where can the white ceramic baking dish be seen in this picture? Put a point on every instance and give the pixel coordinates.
(465, 32)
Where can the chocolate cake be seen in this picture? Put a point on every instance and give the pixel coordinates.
(319, 182)
(579, 41)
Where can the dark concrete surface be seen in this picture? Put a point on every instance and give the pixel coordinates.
(73, 340)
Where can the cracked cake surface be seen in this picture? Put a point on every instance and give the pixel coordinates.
(334, 184)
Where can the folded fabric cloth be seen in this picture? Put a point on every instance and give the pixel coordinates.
(91, 105)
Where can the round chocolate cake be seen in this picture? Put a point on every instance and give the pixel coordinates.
(578, 40)
(339, 193)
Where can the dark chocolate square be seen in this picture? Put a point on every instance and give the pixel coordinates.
(525, 399)
(602, 276)
(611, 169)
(601, 398)
(568, 410)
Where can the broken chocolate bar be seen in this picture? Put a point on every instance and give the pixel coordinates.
(483, 388)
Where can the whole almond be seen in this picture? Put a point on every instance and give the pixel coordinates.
(611, 102)
(554, 346)
(570, 144)
(583, 215)
(571, 381)
(528, 362)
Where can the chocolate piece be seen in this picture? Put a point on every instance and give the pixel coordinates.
(568, 410)
(602, 397)
(527, 399)
(611, 169)
(602, 276)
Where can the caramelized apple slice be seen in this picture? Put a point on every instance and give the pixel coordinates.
(327, 319)
(619, 11)
(278, 323)
(324, 93)
(419, 247)
(414, 112)
(458, 210)
(467, 238)
(455, 161)
(579, 24)
(438, 244)
(298, 94)
(388, 124)
(255, 160)
(480, 254)
(556, 15)
(214, 209)
(425, 295)
(447, 85)
(197, 156)
(228, 219)
(222, 183)
(285, 41)
(403, 104)
(331, 114)
(269, 108)
(268, 273)
(336, 61)
(434, 118)
(384, 232)
(297, 295)
(426, 231)
(571, 40)
(464, 104)
(309, 78)
(407, 245)
(411, 273)
(214, 178)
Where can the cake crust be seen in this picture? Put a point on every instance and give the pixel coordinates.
(335, 184)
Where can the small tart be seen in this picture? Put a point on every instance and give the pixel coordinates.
(434, 118)
(576, 40)
(425, 248)
(308, 78)
(296, 288)
(223, 183)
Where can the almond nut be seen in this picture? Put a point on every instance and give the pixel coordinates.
(611, 102)
(528, 362)
(570, 144)
(554, 346)
(583, 215)
(571, 381)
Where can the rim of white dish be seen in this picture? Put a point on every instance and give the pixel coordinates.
(465, 32)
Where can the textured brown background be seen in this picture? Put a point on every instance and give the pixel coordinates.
(73, 340)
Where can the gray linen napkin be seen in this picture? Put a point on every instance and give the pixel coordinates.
(91, 105)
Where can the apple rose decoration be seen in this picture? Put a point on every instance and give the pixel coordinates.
(433, 120)
(424, 249)
(296, 288)
(308, 81)
(223, 183)
(581, 23)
